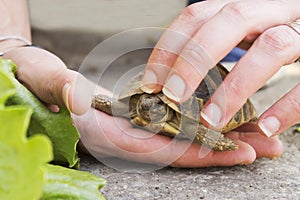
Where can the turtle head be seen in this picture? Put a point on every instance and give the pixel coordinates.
(151, 108)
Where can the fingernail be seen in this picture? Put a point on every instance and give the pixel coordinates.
(65, 95)
(212, 114)
(82, 93)
(269, 125)
(174, 88)
(149, 82)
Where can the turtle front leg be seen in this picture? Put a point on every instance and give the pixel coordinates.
(110, 106)
(214, 139)
(102, 103)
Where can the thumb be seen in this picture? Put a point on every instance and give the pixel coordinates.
(76, 93)
(49, 79)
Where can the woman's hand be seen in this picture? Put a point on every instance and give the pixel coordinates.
(107, 136)
(204, 33)
(49, 79)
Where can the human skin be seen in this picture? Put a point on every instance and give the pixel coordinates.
(50, 80)
(204, 33)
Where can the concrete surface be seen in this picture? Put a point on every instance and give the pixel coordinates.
(265, 179)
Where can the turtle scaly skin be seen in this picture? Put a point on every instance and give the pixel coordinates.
(156, 113)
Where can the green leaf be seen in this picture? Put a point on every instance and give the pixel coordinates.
(7, 89)
(298, 129)
(63, 183)
(57, 126)
(22, 159)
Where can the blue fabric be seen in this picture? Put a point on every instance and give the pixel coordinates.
(235, 54)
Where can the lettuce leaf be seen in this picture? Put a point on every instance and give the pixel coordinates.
(22, 160)
(57, 126)
(63, 183)
(24, 173)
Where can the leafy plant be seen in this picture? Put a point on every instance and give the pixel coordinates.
(22, 160)
(57, 126)
(24, 172)
(63, 183)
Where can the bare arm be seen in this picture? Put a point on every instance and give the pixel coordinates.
(14, 22)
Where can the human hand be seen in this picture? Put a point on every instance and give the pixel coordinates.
(45, 75)
(204, 33)
(106, 136)
(49, 79)
(39, 70)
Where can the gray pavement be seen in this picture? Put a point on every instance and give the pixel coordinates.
(264, 179)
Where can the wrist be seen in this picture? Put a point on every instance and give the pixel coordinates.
(10, 42)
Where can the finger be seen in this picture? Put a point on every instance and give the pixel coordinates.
(174, 39)
(218, 36)
(48, 78)
(53, 108)
(282, 115)
(244, 155)
(264, 147)
(112, 136)
(122, 140)
(274, 48)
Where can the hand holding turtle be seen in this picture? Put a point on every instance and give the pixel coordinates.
(103, 138)
(154, 112)
(205, 32)
(49, 79)
(45, 74)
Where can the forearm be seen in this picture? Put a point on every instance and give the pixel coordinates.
(14, 22)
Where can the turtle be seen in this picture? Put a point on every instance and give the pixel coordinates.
(158, 114)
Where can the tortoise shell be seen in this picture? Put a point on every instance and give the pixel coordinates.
(157, 113)
(202, 94)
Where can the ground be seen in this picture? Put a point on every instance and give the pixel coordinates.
(264, 179)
